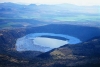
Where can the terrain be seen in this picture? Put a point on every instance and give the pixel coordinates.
(79, 55)
(82, 22)
(8, 47)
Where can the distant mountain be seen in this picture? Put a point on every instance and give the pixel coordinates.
(61, 13)
(12, 10)
(14, 15)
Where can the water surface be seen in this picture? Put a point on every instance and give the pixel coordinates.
(35, 41)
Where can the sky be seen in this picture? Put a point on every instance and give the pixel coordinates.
(76, 2)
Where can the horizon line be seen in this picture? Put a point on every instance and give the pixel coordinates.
(45, 4)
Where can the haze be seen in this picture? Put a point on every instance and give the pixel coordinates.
(76, 2)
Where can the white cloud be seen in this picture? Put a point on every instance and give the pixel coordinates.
(77, 2)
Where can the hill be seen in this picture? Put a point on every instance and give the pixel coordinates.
(79, 55)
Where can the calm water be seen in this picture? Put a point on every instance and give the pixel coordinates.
(35, 42)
